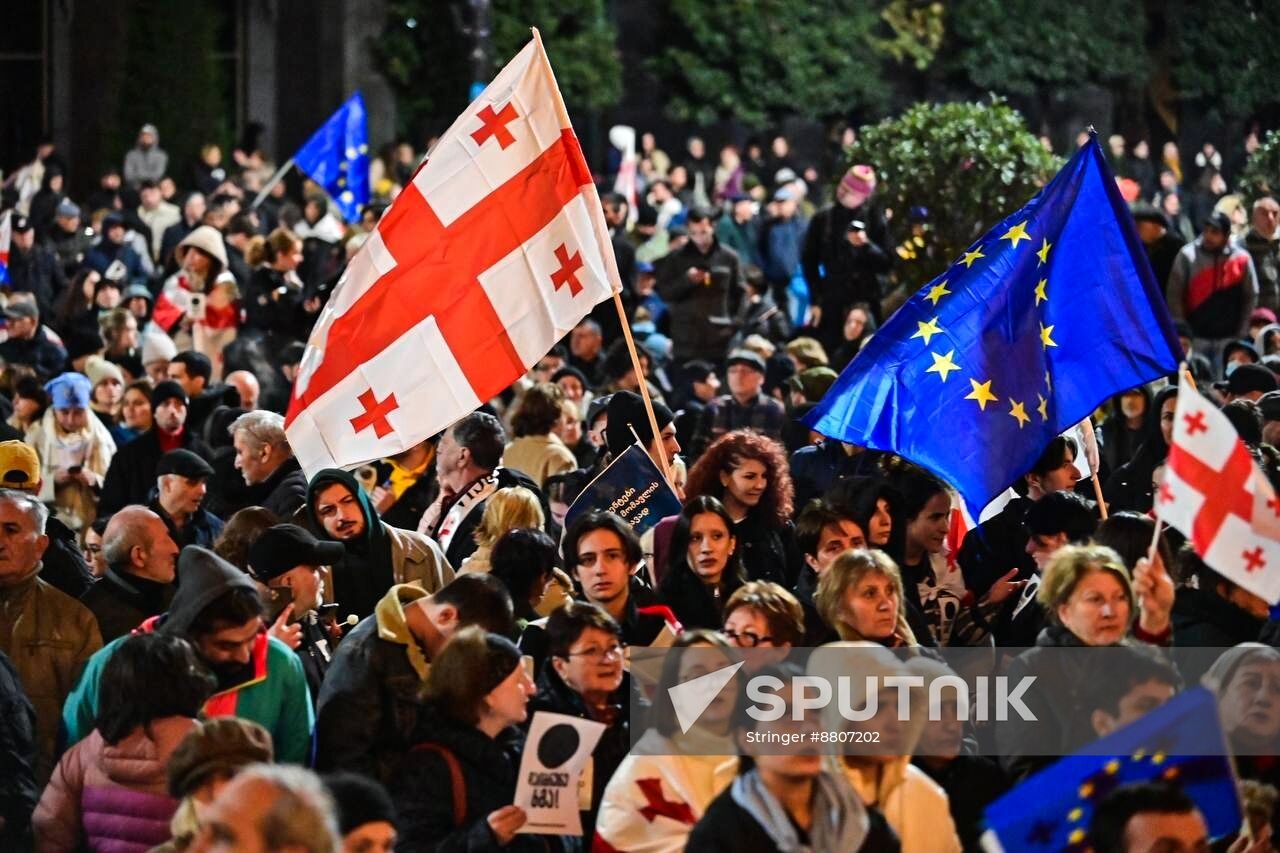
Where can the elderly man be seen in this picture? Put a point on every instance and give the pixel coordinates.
(377, 554)
(270, 808)
(265, 460)
(46, 634)
(132, 474)
(246, 385)
(467, 467)
(181, 483)
(141, 565)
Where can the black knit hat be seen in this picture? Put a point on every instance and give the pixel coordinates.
(626, 413)
(168, 390)
(360, 800)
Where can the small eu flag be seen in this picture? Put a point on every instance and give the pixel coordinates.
(1181, 743)
(1047, 315)
(337, 157)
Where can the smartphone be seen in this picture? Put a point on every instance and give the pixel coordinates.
(279, 597)
(74, 469)
(368, 477)
(196, 307)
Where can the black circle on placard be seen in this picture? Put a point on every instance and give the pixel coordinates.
(558, 745)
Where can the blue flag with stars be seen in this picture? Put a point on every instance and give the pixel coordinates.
(1047, 315)
(337, 157)
(1181, 743)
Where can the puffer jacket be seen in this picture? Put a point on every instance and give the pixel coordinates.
(111, 798)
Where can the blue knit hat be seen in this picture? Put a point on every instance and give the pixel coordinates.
(69, 391)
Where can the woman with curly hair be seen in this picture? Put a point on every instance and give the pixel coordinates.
(747, 472)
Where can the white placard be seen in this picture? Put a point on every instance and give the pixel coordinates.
(555, 752)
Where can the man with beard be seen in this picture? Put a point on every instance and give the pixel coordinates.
(133, 469)
(377, 555)
(218, 610)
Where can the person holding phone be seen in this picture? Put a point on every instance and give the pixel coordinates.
(702, 283)
(287, 560)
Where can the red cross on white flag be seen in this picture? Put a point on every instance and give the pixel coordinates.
(1215, 494)
(493, 252)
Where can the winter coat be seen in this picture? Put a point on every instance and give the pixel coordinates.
(463, 541)
(112, 798)
(201, 527)
(371, 697)
(994, 547)
(1266, 264)
(700, 312)
(768, 553)
(971, 783)
(132, 474)
(286, 489)
(914, 805)
(141, 164)
(48, 636)
(105, 253)
(18, 791)
(539, 456)
(274, 695)
(40, 352)
(273, 306)
(63, 566)
(780, 243)
(657, 795)
(1214, 292)
(816, 469)
(1203, 624)
(742, 238)
(90, 448)
(121, 602)
(692, 601)
(37, 272)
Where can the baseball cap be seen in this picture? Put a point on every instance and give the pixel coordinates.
(21, 310)
(19, 465)
(21, 223)
(1268, 404)
(285, 547)
(67, 207)
(184, 463)
(746, 357)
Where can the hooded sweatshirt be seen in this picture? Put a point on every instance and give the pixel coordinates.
(272, 692)
(365, 574)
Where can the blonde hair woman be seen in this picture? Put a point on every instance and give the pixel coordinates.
(860, 596)
(507, 509)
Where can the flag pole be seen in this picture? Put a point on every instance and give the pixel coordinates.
(275, 179)
(611, 266)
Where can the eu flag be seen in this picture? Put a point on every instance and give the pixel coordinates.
(1181, 742)
(1046, 316)
(337, 157)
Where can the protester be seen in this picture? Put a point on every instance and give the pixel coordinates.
(76, 449)
(703, 569)
(371, 700)
(46, 634)
(267, 463)
(141, 563)
(268, 807)
(181, 485)
(218, 610)
(376, 556)
(366, 815)
(18, 790)
(110, 790)
(507, 509)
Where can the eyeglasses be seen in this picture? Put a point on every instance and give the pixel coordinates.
(747, 639)
(597, 654)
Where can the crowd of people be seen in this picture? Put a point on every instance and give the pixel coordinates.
(203, 648)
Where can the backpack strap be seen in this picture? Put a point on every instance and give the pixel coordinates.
(459, 784)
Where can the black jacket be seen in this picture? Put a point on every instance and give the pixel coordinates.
(423, 790)
(202, 527)
(558, 698)
(132, 473)
(285, 490)
(463, 543)
(121, 601)
(994, 547)
(972, 783)
(63, 566)
(691, 599)
(768, 553)
(727, 827)
(815, 469)
(694, 332)
(18, 791)
(37, 272)
(407, 511)
(368, 706)
(274, 308)
(40, 352)
(203, 404)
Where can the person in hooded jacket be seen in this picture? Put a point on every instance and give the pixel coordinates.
(110, 791)
(1122, 432)
(218, 610)
(377, 556)
(1132, 485)
(18, 791)
(114, 247)
(199, 304)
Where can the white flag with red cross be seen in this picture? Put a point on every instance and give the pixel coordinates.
(493, 252)
(1214, 493)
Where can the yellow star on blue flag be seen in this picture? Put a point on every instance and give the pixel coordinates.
(337, 157)
(1084, 309)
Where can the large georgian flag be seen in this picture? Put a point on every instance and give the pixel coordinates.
(493, 252)
(1215, 494)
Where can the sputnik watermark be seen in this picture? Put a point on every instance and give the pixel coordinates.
(813, 693)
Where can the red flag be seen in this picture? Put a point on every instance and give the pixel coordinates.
(492, 253)
(1214, 493)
